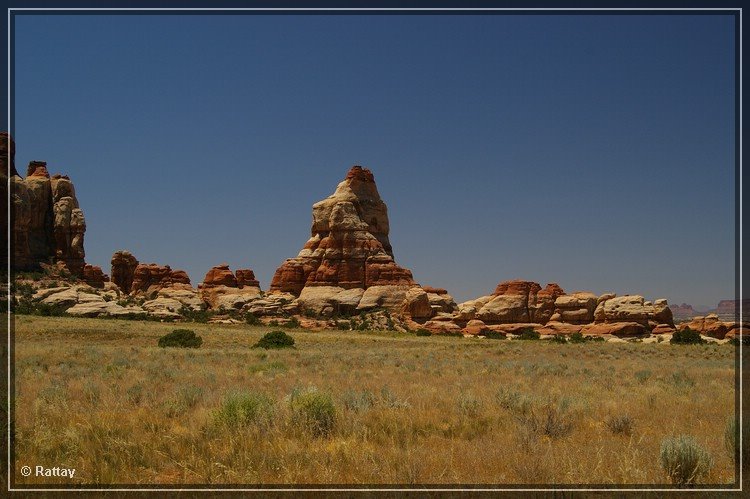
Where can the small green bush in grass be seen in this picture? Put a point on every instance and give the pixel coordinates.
(182, 338)
(275, 339)
(686, 337)
(313, 411)
(621, 424)
(251, 319)
(528, 334)
(494, 335)
(684, 461)
(559, 338)
(423, 332)
(245, 409)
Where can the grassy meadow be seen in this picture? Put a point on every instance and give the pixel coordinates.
(348, 407)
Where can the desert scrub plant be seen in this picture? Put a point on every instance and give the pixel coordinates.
(242, 409)
(553, 420)
(684, 461)
(528, 334)
(251, 319)
(620, 424)
(182, 338)
(275, 339)
(358, 401)
(469, 404)
(423, 332)
(577, 337)
(642, 376)
(559, 338)
(313, 411)
(731, 437)
(686, 336)
(513, 400)
(494, 335)
(682, 381)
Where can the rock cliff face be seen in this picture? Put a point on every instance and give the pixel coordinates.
(349, 246)
(123, 270)
(150, 279)
(48, 223)
(223, 289)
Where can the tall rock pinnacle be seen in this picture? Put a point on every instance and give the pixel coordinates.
(349, 245)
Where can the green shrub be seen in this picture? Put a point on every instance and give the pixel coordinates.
(494, 335)
(686, 336)
(643, 376)
(577, 337)
(423, 332)
(313, 411)
(182, 338)
(358, 401)
(293, 323)
(200, 316)
(245, 409)
(469, 404)
(528, 334)
(251, 319)
(621, 424)
(559, 338)
(275, 339)
(684, 460)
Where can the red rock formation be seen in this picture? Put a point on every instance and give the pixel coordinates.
(349, 247)
(149, 278)
(246, 277)
(123, 270)
(47, 222)
(220, 275)
(37, 169)
(94, 276)
(437, 291)
(519, 301)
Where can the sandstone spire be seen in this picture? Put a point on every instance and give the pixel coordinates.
(349, 245)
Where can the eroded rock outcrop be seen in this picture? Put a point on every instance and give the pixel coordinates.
(149, 279)
(347, 265)
(94, 276)
(48, 223)
(349, 246)
(516, 301)
(123, 270)
(221, 288)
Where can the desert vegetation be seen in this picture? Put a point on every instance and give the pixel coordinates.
(366, 407)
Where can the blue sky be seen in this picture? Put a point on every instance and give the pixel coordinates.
(593, 151)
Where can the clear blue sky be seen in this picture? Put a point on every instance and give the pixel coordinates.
(593, 151)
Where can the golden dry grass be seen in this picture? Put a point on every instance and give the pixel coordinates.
(101, 397)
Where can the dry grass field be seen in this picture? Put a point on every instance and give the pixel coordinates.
(100, 396)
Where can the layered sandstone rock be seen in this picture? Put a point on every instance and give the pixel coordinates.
(94, 276)
(711, 325)
(221, 288)
(48, 223)
(123, 270)
(149, 279)
(516, 301)
(349, 246)
(634, 308)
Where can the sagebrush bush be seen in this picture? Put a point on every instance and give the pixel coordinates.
(251, 319)
(423, 332)
(559, 338)
(275, 339)
(643, 376)
(182, 338)
(684, 461)
(686, 336)
(313, 411)
(621, 424)
(577, 337)
(245, 409)
(469, 404)
(529, 334)
(494, 335)
(358, 401)
(552, 420)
